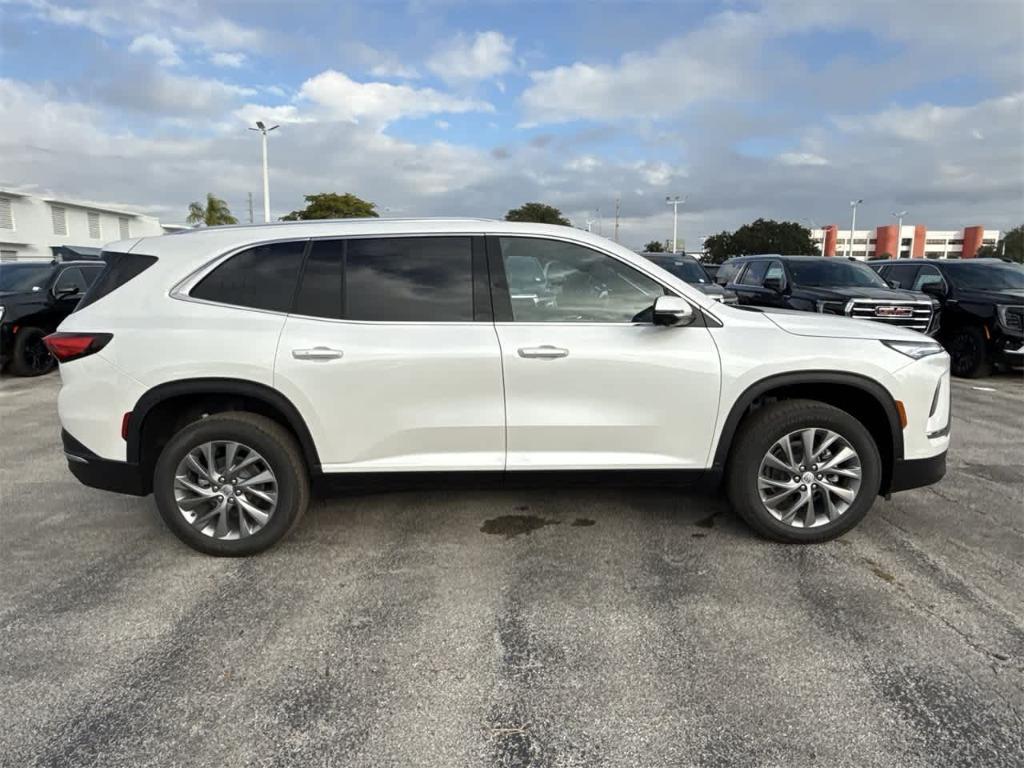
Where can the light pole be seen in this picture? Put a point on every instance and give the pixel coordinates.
(266, 177)
(675, 202)
(853, 228)
(899, 232)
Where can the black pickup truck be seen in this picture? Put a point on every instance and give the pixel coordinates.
(834, 286)
(981, 320)
(34, 297)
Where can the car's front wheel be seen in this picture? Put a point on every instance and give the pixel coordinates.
(231, 484)
(968, 352)
(803, 471)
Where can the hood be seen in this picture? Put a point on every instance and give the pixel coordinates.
(1005, 296)
(846, 292)
(711, 289)
(837, 326)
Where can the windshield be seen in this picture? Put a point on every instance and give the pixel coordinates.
(986, 277)
(685, 269)
(23, 277)
(826, 273)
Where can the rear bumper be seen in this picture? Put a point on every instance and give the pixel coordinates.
(916, 473)
(107, 475)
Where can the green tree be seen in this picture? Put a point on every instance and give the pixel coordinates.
(213, 214)
(654, 247)
(761, 236)
(539, 213)
(331, 205)
(1011, 247)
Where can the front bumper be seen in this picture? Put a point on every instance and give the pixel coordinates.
(916, 473)
(105, 474)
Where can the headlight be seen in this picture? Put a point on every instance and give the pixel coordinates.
(1011, 317)
(914, 349)
(1, 313)
(831, 307)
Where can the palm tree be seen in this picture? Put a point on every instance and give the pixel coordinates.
(215, 213)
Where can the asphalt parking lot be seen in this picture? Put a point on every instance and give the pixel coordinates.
(626, 627)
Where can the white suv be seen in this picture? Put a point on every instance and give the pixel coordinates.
(223, 369)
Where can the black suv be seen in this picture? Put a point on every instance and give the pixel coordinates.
(689, 270)
(834, 286)
(34, 297)
(981, 321)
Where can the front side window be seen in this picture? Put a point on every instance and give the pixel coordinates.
(901, 275)
(727, 272)
(754, 273)
(928, 276)
(70, 281)
(551, 281)
(261, 277)
(775, 271)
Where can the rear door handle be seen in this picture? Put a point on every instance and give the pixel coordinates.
(317, 353)
(544, 352)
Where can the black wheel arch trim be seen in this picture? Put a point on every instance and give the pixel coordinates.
(221, 386)
(758, 388)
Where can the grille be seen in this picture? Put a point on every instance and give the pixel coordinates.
(915, 315)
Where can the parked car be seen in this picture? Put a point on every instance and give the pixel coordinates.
(35, 296)
(687, 268)
(711, 270)
(833, 286)
(981, 320)
(223, 369)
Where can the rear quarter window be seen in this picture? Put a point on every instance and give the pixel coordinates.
(261, 277)
(119, 269)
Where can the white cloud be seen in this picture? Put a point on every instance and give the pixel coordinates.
(165, 51)
(930, 122)
(488, 55)
(219, 33)
(229, 59)
(444, 125)
(286, 114)
(802, 158)
(339, 97)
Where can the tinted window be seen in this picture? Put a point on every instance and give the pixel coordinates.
(727, 272)
(119, 269)
(409, 279)
(261, 278)
(754, 273)
(827, 272)
(901, 275)
(776, 271)
(24, 277)
(986, 276)
(684, 268)
(927, 276)
(70, 279)
(319, 293)
(571, 283)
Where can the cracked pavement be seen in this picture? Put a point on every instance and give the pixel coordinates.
(586, 627)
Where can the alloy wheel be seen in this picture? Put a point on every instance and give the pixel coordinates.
(225, 489)
(809, 477)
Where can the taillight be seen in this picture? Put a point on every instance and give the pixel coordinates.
(71, 346)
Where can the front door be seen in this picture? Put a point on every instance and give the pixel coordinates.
(590, 382)
(391, 356)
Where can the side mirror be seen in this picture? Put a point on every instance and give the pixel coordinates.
(938, 290)
(774, 284)
(672, 310)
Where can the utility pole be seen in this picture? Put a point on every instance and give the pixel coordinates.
(618, 200)
(262, 128)
(675, 202)
(250, 207)
(853, 228)
(899, 233)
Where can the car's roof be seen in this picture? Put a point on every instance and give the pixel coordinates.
(749, 256)
(940, 262)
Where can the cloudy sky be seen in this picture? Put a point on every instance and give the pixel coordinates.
(783, 109)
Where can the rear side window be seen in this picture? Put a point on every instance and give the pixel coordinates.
(409, 279)
(262, 277)
(119, 269)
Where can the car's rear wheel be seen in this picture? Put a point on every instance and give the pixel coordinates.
(231, 484)
(968, 352)
(803, 471)
(29, 356)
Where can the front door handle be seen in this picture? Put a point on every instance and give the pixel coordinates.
(317, 353)
(544, 352)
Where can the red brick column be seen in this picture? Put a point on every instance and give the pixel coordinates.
(886, 241)
(972, 241)
(830, 240)
(920, 233)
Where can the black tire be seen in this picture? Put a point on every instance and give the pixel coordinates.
(29, 356)
(274, 443)
(968, 351)
(759, 432)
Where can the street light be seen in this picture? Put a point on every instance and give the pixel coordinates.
(899, 232)
(262, 128)
(675, 202)
(853, 228)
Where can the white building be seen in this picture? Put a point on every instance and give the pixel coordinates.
(915, 241)
(30, 225)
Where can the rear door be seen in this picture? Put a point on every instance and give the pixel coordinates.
(391, 355)
(590, 382)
